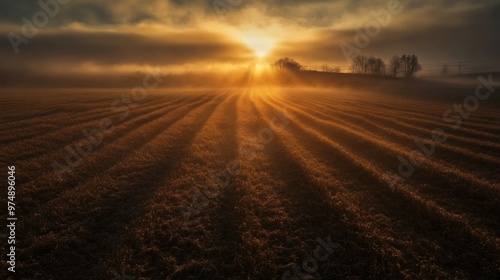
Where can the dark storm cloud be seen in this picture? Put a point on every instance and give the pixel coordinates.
(73, 11)
(312, 12)
(90, 13)
(13, 11)
(74, 47)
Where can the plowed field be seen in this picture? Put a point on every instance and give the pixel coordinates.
(242, 183)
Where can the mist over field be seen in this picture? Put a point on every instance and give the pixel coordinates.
(239, 139)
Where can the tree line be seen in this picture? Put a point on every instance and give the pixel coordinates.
(399, 66)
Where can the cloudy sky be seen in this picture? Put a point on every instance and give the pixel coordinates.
(93, 36)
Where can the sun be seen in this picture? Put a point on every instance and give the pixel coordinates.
(260, 44)
(260, 53)
(261, 41)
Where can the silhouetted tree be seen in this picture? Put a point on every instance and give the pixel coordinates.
(326, 68)
(376, 66)
(360, 64)
(395, 65)
(287, 64)
(410, 65)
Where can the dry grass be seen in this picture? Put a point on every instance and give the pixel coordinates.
(321, 175)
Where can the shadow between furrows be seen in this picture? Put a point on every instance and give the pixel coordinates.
(80, 175)
(83, 174)
(76, 119)
(61, 154)
(123, 129)
(318, 217)
(42, 113)
(462, 139)
(469, 197)
(182, 248)
(57, 109)
(411, 217)
(75, 132)
(81, 108)
(353, 139)
(374, 145)
(422, 125)
(82, 255)
(485, 113)
(219, 217)
(384, 119)
(475, 201)
(383, 106)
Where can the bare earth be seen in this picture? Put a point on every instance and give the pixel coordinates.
(287, 167)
